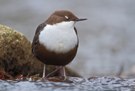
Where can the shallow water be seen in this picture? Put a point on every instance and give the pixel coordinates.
(77, 84)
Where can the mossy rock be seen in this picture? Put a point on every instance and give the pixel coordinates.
(14, 50)
(16, 57)
(13, 45)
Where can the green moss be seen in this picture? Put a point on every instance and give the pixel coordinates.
(15, 50)
(13, 45)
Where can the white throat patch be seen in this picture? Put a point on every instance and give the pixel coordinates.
(59, 37)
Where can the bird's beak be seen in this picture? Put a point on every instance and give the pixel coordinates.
(81, 19)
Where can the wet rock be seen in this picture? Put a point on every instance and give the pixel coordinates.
(16, 58)
(76, 84)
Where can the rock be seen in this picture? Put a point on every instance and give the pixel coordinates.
(14, 51)
(16, 57)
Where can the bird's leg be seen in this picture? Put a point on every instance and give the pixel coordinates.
(63, 72)
(57, 69)
(44, 71)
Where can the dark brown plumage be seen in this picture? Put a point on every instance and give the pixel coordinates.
(50, 57)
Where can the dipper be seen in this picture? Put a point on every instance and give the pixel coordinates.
(56, 40)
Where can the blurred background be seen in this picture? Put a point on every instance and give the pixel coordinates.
(107, 40)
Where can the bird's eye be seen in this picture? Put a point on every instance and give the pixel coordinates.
(67, 18)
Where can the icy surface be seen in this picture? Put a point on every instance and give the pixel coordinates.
(75, 84)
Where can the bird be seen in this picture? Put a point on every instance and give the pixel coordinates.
(56, 40)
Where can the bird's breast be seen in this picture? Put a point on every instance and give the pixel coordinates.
(59, 40)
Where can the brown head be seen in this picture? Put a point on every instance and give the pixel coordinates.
(62, 15)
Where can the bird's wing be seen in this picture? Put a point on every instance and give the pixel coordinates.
(75, 30)
(35, 39)
(76, 35)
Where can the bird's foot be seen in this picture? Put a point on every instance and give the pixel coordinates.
(43, 79)
(57, 79)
